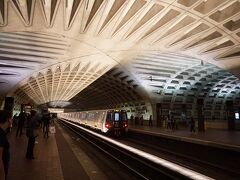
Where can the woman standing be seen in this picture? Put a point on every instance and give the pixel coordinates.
(5, 124)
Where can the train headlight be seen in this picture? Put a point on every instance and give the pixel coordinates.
(108, 126)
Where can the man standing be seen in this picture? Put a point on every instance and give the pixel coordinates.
(21, 120)
(5, 124)
(192, 124)
(46, 122)
(31, 133)
(150, 120)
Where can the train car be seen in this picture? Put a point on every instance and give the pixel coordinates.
(109, 121)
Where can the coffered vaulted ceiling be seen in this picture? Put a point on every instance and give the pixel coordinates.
(53, 49)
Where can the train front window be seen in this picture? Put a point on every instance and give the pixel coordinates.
(124, 116)
(109, 116)
(116, 117)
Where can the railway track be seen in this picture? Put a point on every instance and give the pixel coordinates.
(143, 165)
(219, 163)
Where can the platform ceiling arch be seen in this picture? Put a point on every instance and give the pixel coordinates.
(83, 37)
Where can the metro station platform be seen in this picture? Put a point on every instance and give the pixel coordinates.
(58, 158)
(215, 137)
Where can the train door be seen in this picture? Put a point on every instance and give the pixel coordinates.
(117, 123)
(109, 118)
(124, 121)
(117, 120)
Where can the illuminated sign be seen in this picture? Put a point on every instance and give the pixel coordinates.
(236, 115)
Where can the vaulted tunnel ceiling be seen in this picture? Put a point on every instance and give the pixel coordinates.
(154, 78)
(116, 87)
(50, 50)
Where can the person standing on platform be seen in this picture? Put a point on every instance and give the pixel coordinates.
(15, 119)
(192, 124)
(131, 119)
(150, 120)
(141, 120)
(5, 125)
(136, 119)
(21, 120)
(170, 120)
(46, 122)
(31, 134)
(183, 117)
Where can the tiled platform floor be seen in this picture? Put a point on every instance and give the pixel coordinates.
(45, 166)
(56, 158)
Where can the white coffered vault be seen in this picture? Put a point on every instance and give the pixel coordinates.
(51, 50)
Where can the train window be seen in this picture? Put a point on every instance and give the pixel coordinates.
(96, 116)
(83, 116)
(116, 116)
(90, 116)
(100, 117)
(124, 116)
(109, 116)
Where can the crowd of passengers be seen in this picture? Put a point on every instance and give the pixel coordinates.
(32, 122)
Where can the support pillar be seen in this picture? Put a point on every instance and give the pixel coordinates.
(9, 104)
(200, 113)
(230, 115)
(159, 114)
(22, 107)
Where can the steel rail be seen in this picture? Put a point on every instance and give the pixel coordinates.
(144, 165)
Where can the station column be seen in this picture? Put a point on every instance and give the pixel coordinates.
(201, 126)
(230, 115)
(159, 114)
(9, 104)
